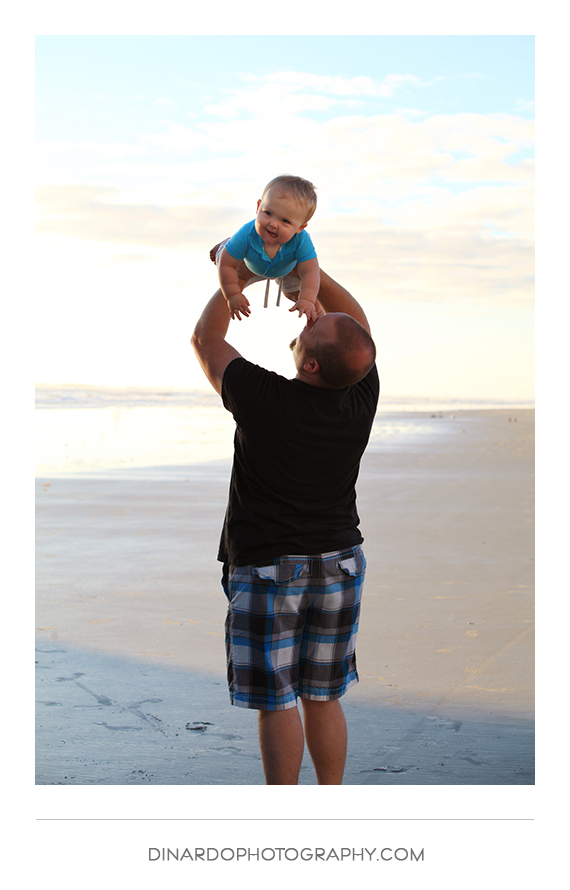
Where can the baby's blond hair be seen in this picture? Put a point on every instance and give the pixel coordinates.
(301, 189)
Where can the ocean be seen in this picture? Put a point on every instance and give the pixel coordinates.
(150, 433)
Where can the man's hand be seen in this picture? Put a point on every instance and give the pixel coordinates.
(239, 304)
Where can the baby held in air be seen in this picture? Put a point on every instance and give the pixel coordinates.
(275, 245)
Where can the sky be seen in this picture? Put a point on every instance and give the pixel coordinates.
(151, 149)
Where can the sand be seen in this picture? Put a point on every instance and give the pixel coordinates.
(130, 654)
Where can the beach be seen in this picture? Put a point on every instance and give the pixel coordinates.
(130, 615)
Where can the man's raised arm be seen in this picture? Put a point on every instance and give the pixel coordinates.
(333, 297)
(209, 340)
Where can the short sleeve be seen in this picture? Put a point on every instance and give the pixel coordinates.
(305, 249)
(238, 244)
(245, 388)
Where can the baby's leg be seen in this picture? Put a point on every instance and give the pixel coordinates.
(245, 275)
(216, 250)
(290, 285)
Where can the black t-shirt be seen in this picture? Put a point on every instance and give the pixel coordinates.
(296, 461)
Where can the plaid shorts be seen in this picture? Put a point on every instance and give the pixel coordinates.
(291, 628)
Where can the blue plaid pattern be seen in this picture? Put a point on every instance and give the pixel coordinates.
(291, 628)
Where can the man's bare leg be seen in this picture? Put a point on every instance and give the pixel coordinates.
(281, 742)
(325, 732)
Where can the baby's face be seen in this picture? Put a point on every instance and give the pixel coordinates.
(279, 217)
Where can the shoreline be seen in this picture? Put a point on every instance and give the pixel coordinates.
(98, 451)
(76, 397)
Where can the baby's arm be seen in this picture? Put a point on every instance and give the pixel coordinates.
(229, 283)
(310, 281)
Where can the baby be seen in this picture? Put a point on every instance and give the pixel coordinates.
(273, 245)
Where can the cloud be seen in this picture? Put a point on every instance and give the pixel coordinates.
(419, 207)
(174, 138)
(475, 246)
(284, 93)
(277, 100)
(524, 104)
(108, 149)
(98, 214)
(448, 264)
(340, 86)
(359, 153)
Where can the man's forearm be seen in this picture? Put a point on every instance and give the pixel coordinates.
(309, 284)
(333, 297)
(214, 321)
(209, 340)
(309, 280)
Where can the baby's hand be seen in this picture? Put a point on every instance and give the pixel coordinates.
(305, 307)
(239, 304)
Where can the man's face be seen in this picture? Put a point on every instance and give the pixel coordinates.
(314, 332)
(278, 218)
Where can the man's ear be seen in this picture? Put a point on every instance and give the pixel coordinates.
(311, 366)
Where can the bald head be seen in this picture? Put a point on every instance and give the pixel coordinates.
(342, 348)
(348, 357)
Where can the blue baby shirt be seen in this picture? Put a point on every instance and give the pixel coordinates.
(247, 245)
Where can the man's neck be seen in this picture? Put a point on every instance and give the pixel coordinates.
(312, 379)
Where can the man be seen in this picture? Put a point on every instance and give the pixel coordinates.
(293, 566)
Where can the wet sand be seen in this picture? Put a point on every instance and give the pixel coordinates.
(130, 655)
